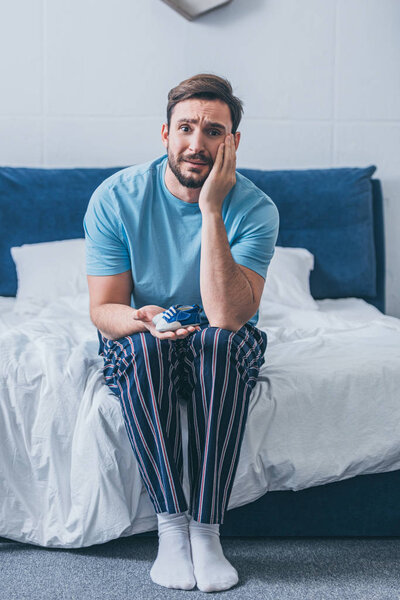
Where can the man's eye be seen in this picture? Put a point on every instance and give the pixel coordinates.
(214, 132)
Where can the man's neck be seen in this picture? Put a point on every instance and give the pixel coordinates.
(190, 195)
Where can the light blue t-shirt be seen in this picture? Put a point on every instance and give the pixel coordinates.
(134, 222)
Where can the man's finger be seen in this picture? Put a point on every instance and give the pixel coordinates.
(219, 159)
(169, 335)
(229, 154)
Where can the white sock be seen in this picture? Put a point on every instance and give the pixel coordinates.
(213, 572)
(173, 566)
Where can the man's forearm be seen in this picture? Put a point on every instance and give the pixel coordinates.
(225, 290)
(116, 320)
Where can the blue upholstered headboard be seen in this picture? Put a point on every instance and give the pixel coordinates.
(335, 213)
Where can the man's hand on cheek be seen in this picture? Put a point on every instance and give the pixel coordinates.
(221, 178)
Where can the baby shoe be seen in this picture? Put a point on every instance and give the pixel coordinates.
(177, 316)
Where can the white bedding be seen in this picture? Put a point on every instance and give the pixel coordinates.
(326, 408)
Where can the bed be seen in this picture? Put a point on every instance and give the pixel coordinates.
(321, 450)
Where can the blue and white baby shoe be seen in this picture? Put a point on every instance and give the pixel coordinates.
(176, 316)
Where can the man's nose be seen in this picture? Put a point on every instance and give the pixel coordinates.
(197, 142)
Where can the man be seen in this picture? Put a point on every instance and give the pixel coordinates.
(185, 228)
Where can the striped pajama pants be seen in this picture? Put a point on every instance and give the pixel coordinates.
(214, 371)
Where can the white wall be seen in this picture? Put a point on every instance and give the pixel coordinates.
(85, 83)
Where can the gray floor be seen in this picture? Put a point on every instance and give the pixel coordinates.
(269, 568)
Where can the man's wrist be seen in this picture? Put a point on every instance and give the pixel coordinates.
(211, 215)
(139, 325)
(117, 320)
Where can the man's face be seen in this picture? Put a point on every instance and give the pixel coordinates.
(197, 128)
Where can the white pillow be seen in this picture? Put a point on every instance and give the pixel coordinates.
(49, 270)
(288, 278)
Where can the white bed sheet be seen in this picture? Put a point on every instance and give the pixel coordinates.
(325, 408)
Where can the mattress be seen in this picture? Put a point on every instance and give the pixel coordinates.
(325, 408)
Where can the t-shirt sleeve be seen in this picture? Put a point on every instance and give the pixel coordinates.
(106, 253)
(254, 244)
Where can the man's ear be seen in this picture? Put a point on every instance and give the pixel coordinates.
(164, 134)
(237, 139)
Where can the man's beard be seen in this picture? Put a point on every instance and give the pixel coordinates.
(185, 180)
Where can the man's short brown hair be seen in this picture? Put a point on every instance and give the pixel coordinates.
(210, 87)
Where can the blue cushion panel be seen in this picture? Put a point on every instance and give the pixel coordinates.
(329, 212)
(41, 205)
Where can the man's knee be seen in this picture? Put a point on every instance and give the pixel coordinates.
(146, 344)
(228, 329)
(223, 336)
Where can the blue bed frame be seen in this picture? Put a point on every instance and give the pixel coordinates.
(38, 205)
